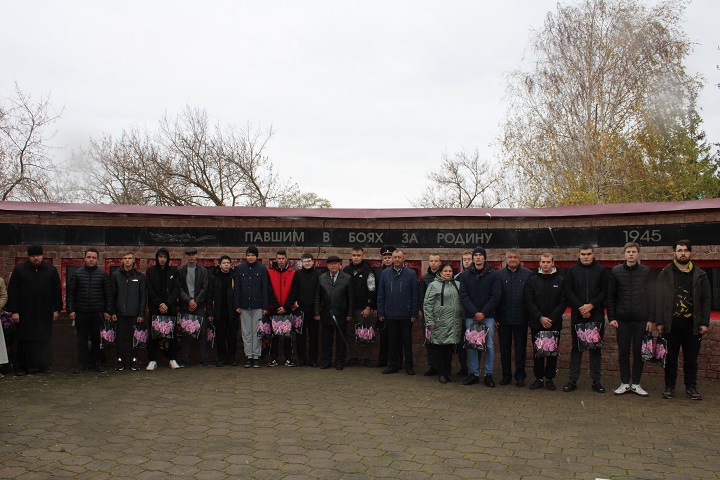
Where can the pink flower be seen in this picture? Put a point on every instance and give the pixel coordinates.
(140, 335)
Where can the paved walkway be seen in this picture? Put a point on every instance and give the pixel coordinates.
(298, 423)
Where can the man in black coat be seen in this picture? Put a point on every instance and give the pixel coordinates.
(364, 294)
(221, 311)
(586, 285)
(307, 288)
(129, 298)
(334, 307)
(89, 302)
(545, 303)
(35, 301)
(163, 290)
(193, 294)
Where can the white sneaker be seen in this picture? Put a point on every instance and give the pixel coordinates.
(623, 388)
(174, 364)
(636, 388)
(151, 366)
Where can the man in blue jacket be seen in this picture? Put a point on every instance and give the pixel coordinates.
(480, 295)
(251, 302)
(397, 302)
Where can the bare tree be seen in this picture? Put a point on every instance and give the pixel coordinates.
(607, 75)
(464, 181)
(27, 172)
(189, 162)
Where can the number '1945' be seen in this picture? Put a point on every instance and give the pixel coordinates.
(642, 236)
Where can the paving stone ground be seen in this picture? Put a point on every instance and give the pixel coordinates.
(305, 423)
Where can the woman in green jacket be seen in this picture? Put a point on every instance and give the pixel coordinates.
(443, 318)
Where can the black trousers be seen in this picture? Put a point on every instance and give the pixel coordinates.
(275, 345)
(509, 334)
(681, 336)
(442, 356)
(87, 325)
(307, 342)
(382, 343)
(544, 367)
(226, 333)
(124, 329)
(399, 333)
(334, 333)
(154, 345)
(462, 356)
(184, 349)
(629, 338)
(576, 357)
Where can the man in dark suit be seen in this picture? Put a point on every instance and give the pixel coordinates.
(334, 308)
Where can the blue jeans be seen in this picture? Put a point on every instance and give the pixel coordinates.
(473, 356)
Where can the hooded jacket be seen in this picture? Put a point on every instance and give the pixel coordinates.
(444, 311)
(283, 289)
(215, 292)
(128, 293)
(363, 285)
(162, 285)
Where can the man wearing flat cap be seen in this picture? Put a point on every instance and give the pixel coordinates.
(35, 301)
(252, 299)
(334, 309)
(193, 280)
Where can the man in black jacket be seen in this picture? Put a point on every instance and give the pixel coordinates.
(128, 294)
(364, 294)
(545, 303)
(586, 285)
(307, 279)
(163, 290)
(334, 307)
(221, 311)
(429, 277)
(89, 302)
(193, 295)
(630, 307)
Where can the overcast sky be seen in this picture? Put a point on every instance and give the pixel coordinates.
(364, 96)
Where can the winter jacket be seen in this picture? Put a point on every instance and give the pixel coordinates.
(88, 290)
(586, 284)
(398, 295)
(128, 293)
(479, 291)
(214, 297)
(334, 303)
(545, 297)
(162, 286)
(251, 286)
(443, 310)
(666, 297)
(283, 289)
(511, 309)
(631, 294)
(363, 285)
(307, 286)
(201, 289)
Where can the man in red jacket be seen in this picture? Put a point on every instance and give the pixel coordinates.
(283, 293)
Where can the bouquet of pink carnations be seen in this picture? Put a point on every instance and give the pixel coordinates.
(107, 334)
(646, 350)
(7, 321)
(210, 335)
(660, 352)
(189, 325)
(281, 325)
(364, 334)
(297, 321)
(428, 336)
(140, 335)
(264, 329)
(546, 343)
(589, 335)
(162, 326)
(476, 336)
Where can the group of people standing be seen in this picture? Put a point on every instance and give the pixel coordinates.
(512, 300)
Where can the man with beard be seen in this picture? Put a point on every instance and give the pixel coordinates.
(129, 295)
(222, 312)
(545, 303)
(334, 307)
(35, 301)
(364, 296)
(89, 301)
(683, 316)
(307, 288)
(586, 284)
(163, 290)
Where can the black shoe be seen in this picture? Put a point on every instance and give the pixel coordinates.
(301, 363)
(506, 381)
(80, 369)
(134, 366)
(339, 366)
(692, 392)
(538, 383)
(353, 362)
(313, 363)
(430, 372)
(381, 365)
(256, 363)
(550, 385)
(390, 370)
(489, 382)
(462, 373)
(249, 363)
(120, 366)
(220, 363)
(45, 371)
(449, 378)
(325, 366)
(409, 371)
(368, 363)
(471, 379)
(597, 386)
(442, 379)
(205, 364)
(520, 383)
(21, 372)
(669, 392)
(234, 363)
(99, 368)
(570, 387)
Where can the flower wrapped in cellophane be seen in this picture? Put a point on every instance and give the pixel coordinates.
(589, 335)
(646, 349)
(660, 352)
(297, 321)
(189, 325)
(282, 325)
(264, 329)
(107, 334)
(210, 335)
(476, 336)
(364, 334)
(162, 326)
(546, 343)
(140, 335)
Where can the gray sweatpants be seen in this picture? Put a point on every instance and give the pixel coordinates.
(249, 320)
